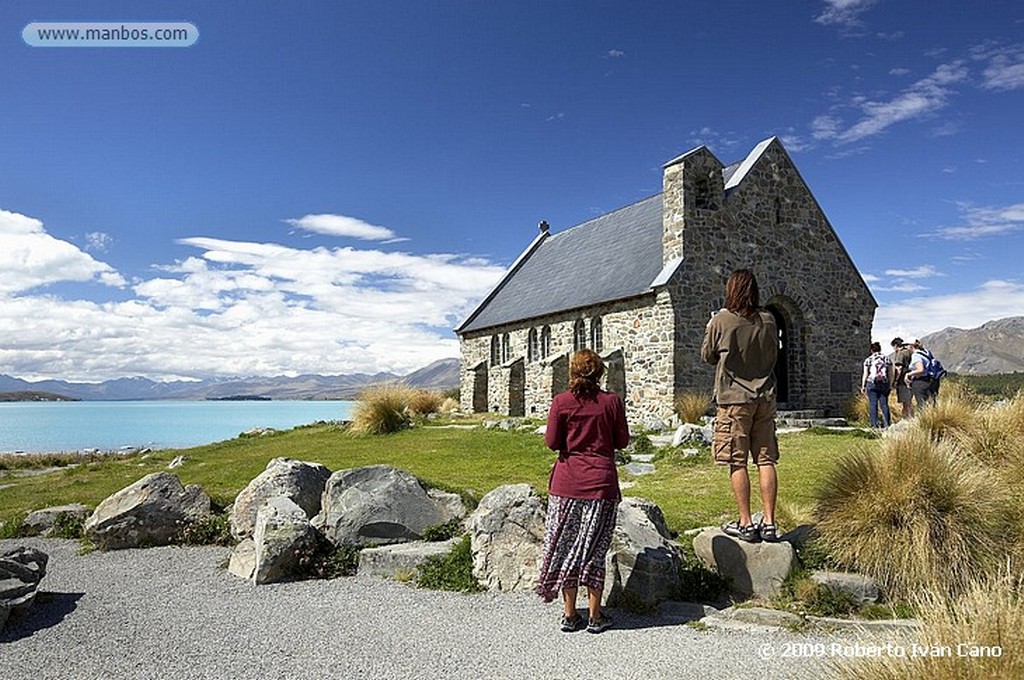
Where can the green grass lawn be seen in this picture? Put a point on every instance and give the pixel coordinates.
(473, 460)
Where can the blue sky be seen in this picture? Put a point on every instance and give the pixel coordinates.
(331, 187)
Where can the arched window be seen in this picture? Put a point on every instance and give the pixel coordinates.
(597, 335)
(545, 342)
(532, 345)
(495, 350)
(504, 348)
(579, 335)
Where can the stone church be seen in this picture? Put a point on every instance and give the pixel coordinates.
(639, 284)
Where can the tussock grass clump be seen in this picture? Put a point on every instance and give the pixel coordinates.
(382, 409)
(855, 409)
(691, 407)
(918, 513)
(424, 402)
(955, 413)
(976, 636)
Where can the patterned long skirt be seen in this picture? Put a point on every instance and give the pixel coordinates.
(578, 533)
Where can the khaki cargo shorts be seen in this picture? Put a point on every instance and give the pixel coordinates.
(745, 431)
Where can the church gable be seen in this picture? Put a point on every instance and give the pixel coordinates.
(648, 275)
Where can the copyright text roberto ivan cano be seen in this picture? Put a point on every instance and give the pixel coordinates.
(857, 650)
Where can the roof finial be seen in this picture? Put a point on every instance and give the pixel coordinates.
(544, 226)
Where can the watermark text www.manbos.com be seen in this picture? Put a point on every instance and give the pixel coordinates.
(796, 650)
(110, 34)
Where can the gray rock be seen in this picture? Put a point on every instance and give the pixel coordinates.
(283, 534)
(639, 468)
(21, 570)
(752, 618)
(860, 587)
(40, 522)
(301, 482)
(450, 505)
(243, 559)
(177, 462)
(377, 505)
(643, 563)
(399, 561)
(152, 511)
(507, 538)
(756, 569)
(688, 433)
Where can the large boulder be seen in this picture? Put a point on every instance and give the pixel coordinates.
(41, 522)
(21, 570)
(152, 511)
(643, 563)
(755, 569)
(507, 538)
(378, 505)
(282, 536)
(299, 481)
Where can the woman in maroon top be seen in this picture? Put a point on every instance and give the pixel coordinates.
(585, 425)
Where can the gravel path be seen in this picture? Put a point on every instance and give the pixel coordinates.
(176, 613)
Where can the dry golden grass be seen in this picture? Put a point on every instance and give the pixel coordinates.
(917, 513)
(424, 402)
(955, 413)
(382, 409)
(692, 406)
(979, 635)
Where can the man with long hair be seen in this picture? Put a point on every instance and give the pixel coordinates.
(585, 426)
(742, 341)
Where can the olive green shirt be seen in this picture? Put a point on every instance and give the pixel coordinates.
(743, 350)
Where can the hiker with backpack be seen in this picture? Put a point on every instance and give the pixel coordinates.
(925, 375)
(900, 358)
(876, 382)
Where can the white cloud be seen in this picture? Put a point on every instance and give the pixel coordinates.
(98, 241)
(924, 97)
(615, 54)
(243, 308)
(1005, 69)
(984, 222)
(922, 272)
(342, 225)
(843, 12)
(30, 257)
(918, 316)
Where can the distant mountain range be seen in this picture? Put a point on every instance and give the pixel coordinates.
(995, 347)
(440, 375)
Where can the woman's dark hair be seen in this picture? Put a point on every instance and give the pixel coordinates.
(876, 347)
(585, 371)
(741, 294)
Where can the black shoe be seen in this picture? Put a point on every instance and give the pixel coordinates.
(573, 624)
(602, 623)
(769, 533)
(748, 533)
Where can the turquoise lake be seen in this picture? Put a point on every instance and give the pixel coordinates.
(34, 427)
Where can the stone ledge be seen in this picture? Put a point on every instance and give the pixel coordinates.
(400, 560)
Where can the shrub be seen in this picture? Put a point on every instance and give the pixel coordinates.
(443, 532)
(642, 445)
(67, 525)
(915, 513)
(424, 402)
(381, 410)
(214, 530)
(955, 413)
(324, 560)
(453, 571)
(691, 407)
(983, 631)
(855, 409)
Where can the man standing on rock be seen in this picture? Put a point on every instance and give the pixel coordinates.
(742, 341)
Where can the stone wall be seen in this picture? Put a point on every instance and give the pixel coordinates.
(769, 222)
(641, 330)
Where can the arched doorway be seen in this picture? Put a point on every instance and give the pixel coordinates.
(791, 365)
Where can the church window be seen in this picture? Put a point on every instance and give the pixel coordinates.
(495, 350)
(545, 341)
(596, 335)
(532, 345)
(579, 335)
(505, 348)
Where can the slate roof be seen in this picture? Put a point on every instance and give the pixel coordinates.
(612, 257)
